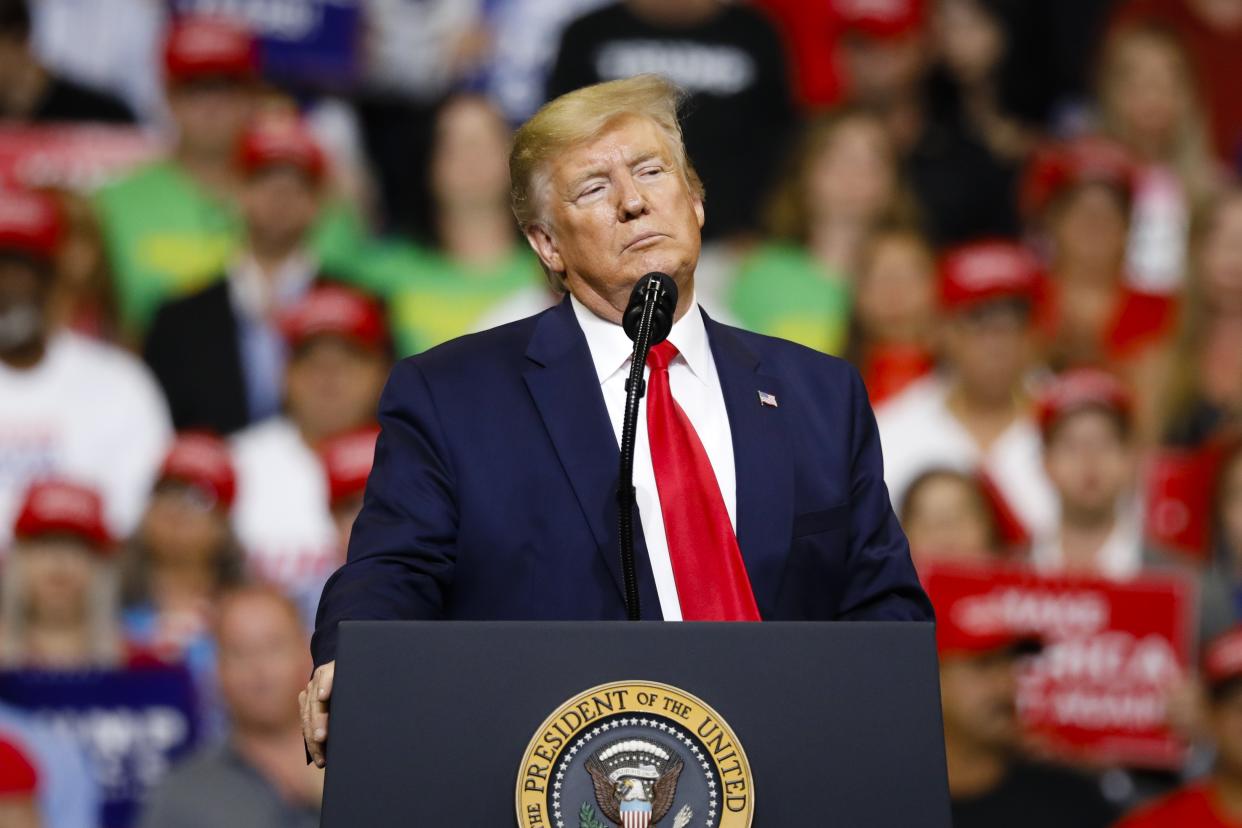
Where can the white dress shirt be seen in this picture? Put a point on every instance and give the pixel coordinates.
(696, 387)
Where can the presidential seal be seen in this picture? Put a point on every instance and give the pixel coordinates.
(634, 754)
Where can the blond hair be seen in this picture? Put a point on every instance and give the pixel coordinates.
(580, 115)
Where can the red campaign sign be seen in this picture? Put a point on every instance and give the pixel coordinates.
(72, 156)
(1112, 652)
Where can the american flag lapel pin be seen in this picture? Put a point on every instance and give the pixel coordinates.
(767, 399)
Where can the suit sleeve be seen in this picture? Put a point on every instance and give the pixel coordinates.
(402, 549)
(882, 584)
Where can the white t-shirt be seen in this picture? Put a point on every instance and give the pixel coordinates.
(90, 412)
(281, 512)
(918, 433)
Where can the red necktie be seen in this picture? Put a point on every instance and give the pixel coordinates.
(707, 564)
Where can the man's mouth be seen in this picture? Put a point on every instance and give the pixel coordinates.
(644, 240)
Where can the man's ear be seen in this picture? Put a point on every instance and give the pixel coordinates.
(698, 210)
(545, 247)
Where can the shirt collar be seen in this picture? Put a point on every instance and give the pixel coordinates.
(611, 349)
(255, 295)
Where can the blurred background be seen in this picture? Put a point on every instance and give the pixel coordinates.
(221, 221)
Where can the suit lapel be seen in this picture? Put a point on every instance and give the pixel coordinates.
(762, 460)
(562, 381)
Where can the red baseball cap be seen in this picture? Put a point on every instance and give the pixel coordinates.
(329, 309)
(60, 506)
(1055, 168)
(277, 140)
(1222, 660)
(968, 625)
(983, 271)
(18, 776)
(202, 460)
(30, 223)
(881, 19)
(205, 46)
(1080, 388)
(347, 460)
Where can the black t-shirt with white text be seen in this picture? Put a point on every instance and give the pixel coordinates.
(733, 67)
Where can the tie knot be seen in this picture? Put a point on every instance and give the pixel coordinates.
(661, 355)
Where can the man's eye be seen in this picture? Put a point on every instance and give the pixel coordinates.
(650, 171)
(592, 190)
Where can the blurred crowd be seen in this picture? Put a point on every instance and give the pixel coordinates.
(1020, 221)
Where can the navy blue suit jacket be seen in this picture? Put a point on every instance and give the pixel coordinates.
(493, 494)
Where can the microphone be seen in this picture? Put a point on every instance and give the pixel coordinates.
(647, 320)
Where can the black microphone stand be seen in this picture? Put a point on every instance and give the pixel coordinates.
(647, 320)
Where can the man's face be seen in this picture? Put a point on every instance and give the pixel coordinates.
(614, 209)
(210, 115)
(280, 204)
(1089, 462)
(979, 699)
(333, 385)
(263, 661)
(990, 346)
(24, 292)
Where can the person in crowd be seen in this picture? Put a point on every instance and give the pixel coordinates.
(257, 778)
(991, 783)
(1211, 33)
(85, 301)
(1086, 417)
(70, 405)
(417, 54)
(1206, 365)
(111, 45)
(893, 331)
(1215, 801)
(946, 516)
(347, 460)
(182, 558)
(19, 786)
(172, 226)
(477, 271)
(525, 34)
(742, 90)
(883, 56)
(1220, 587)
(1080, 195)
(31, 94)
(842, 183)
(339, 356)
(1149, 103)
(218, 353)
(976, 414)
(970, 127)
(67, 793)
(954, 516)
(58, 609)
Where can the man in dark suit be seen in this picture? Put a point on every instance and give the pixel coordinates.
(758, 476)
(218, 353)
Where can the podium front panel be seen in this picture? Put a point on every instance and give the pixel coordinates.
(840, 722)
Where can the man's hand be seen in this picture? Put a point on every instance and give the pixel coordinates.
(314, 703)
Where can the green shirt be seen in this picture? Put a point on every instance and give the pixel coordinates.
(166, 235)
(432, 299)
(781, 290)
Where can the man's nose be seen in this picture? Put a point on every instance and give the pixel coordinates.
(630, 200)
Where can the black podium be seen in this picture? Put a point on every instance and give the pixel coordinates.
(432, 724)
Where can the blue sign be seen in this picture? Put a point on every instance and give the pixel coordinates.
(132, 724)
(312, 44)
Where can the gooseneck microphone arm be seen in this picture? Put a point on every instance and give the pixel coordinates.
(648, 319)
